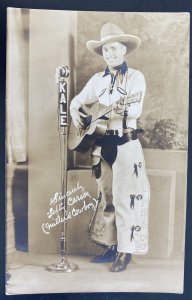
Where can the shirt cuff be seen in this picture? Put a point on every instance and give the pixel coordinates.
(75, 103)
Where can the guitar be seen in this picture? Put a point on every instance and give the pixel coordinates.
(95, 124)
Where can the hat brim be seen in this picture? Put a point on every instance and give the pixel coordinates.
(132, 42)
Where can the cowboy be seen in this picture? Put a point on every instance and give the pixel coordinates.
(121, 220)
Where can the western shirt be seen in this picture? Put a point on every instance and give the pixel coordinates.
(102, 88)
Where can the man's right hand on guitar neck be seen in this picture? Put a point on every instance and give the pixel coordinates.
(77, 116)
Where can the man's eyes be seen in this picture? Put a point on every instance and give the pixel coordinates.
(109, 49)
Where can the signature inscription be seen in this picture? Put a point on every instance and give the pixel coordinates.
(76, 196)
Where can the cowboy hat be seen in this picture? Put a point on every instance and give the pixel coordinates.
(111, 33)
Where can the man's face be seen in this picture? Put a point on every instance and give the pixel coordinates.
(113, 54)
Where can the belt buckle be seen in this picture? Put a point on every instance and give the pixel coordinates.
(112, 132)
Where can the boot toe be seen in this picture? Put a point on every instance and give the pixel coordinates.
(102, 259)
(121, 262)
(109, 255)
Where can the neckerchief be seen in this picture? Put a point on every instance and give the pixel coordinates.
(121, 70)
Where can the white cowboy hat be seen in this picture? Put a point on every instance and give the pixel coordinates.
(111, 33)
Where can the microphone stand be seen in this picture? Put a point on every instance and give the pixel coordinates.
(64, 265)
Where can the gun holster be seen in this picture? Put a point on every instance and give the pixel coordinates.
(97, 170)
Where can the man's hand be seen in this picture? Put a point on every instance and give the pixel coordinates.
(77, 116)
(119, 107)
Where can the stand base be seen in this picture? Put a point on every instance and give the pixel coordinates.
(63, 267)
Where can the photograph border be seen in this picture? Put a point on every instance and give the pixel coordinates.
(112, 5)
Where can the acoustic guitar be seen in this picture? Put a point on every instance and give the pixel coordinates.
(95, 124)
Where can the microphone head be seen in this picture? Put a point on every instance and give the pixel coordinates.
(64, 71)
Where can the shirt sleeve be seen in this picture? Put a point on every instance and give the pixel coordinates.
(86, 96)
(138, 85)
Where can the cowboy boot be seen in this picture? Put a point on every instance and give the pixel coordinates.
(108, 255)
(121, 262)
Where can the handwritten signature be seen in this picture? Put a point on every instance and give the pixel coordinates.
(58, 197)
(57, 205)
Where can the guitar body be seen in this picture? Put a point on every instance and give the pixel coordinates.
(82, 140)
(95, 123)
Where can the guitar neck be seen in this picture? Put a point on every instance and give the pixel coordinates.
(127, 101)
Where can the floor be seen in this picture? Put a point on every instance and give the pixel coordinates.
(29, 276)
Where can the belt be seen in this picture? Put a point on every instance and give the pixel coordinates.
(112, 136)
(128, 132)
(112, 132)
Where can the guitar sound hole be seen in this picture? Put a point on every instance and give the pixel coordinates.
(87, 121)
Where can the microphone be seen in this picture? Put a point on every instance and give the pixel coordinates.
(61, 73)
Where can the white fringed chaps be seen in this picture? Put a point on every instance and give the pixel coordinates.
(122, 214)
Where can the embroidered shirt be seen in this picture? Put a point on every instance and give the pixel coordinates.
(98, 88)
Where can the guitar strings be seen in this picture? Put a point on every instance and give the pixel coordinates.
(111, 106)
